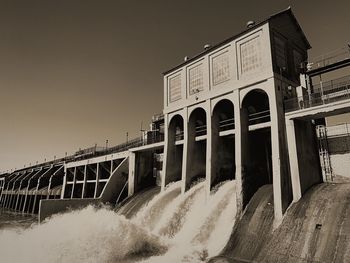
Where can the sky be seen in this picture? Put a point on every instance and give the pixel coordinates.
(75, 73)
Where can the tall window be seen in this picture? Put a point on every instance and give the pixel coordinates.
(196, 79)
(298, 59)
(175, 88)
(280, 52)
(251, 59)
(221, 68)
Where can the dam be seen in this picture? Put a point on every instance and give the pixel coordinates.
(244, 117)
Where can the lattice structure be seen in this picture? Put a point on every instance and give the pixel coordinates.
(251, 55)
(196, 79)
(175, 88)
(221, 68)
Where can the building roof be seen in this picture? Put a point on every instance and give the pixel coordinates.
(208, 50)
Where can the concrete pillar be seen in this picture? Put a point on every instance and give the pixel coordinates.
(97, 179)
(26, 198)
(131, 177)
(196, 163)
(293, 159)
(19, 199)
(64, 181)
(172, 162)
(184, 155)
(37, 189)
(276, 160)
(74, 182)
(210, 158)
(166, 149)
(240, 148)
(85, 179)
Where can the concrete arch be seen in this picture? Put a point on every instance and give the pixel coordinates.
(256, 104)
(197, 108)
(257, 154)
(222, 142)
(220, 100)
(197, 122)
(174, 156)
(196, 146)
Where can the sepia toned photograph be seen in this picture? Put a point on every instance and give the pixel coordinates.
(188, 131)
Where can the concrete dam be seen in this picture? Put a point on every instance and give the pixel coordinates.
(237, 168)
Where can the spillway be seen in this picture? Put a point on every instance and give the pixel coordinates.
(171, 227)
(315, 229)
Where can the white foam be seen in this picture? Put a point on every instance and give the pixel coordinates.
(170, 228)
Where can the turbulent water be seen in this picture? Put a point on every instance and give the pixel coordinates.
(186, 228)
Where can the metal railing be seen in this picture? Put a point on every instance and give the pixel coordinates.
(323, 93)
(158, 117)
(329, 58)
(228, 124)
(259, 117)
(201, 130)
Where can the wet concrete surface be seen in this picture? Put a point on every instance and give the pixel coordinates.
(132, 205)
(315, 229)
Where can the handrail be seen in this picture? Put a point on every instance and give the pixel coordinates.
(323, 93)
(329, 58)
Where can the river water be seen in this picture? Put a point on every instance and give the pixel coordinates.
(184, 228)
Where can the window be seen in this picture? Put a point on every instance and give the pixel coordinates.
(196, 79)
(175, 88)
(298, 60)
(280, 52)
(251, 55)
(221, 68)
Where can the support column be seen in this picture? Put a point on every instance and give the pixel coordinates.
(97, 179)
(74, 181)
(165, 153)
(85, 179)
(240, 149)
(208, 167)
(293, 160)
(131, 179)
(64, 182)
(184, 155)
(276, 160)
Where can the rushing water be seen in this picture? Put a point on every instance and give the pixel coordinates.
(184, 228)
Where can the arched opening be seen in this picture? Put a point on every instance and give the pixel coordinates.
(173, 171)
(223, 143)
(256, 141)
(196, 146)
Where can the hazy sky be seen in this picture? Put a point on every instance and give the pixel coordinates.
(75, 73)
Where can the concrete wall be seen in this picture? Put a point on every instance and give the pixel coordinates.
(55, 206)
(341, 165)
(143, 170)
(307, 154)
(339, 144)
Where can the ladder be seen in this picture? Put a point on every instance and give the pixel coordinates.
(325, 159)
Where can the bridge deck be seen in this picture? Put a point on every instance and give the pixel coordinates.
(328, 98)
